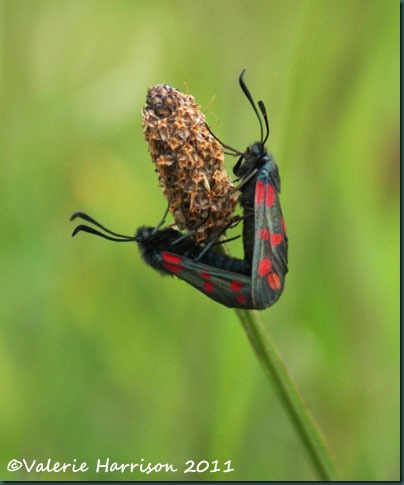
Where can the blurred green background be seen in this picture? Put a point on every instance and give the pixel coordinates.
(102, 357)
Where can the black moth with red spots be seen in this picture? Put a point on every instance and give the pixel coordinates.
(222, 278)
(264, 232)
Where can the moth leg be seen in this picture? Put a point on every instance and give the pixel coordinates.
(214, 239)
(191, 231)
(163, 220)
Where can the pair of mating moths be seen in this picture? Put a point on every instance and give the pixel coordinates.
(190, 162)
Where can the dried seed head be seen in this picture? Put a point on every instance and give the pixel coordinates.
(189, 162)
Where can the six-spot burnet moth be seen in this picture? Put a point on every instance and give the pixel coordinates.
(264, 232)
(222, 278)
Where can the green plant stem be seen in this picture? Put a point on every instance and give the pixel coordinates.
(289, 394)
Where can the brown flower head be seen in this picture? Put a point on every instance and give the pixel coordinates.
(189, 162)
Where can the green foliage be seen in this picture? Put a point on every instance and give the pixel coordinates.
(99, 355)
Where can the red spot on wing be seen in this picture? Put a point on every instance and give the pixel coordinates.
(264, 267)
(270, 195)
(259, 192)
(263, 233)
(208, 287)
(284, 226)
(242, 299)
(264, 193)
(172, 268)
(236, 286)
(171, 258)
(276, 239)
(274, 281)
(205, 275)
(172, 262)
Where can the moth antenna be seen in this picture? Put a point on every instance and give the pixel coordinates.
(86, 217)
(91, 230)
(264, 114)
(246, 91)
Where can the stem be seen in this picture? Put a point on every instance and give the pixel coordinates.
(289, 394)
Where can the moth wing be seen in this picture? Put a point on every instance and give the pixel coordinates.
(228, 288)
(270, 257)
